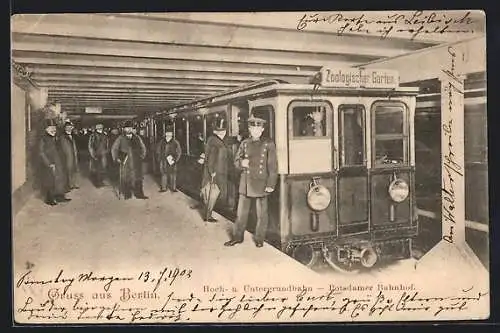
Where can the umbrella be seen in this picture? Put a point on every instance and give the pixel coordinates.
(120, 185)
(209, 194)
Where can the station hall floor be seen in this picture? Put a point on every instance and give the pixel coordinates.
(97, 231)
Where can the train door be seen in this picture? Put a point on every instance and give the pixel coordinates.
(264, 109)
(311, 142)
(353, 193)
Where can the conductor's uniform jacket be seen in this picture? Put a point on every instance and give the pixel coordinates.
(262, 172)
(263, 167)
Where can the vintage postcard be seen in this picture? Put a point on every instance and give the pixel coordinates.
(267, 167)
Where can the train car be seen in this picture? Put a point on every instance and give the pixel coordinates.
(346, 162)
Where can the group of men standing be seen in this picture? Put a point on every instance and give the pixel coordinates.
(255, 161)
(60, 160)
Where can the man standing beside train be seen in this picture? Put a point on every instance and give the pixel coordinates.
(217, 162)
(168, 153)
(256, 159)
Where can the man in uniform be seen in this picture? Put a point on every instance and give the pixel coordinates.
(168, 153)
(217, 159)
(98, 149)
(52, 170)
(256, 159)
(69, 155)
(128, 150)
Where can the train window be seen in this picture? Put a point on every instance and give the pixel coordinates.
(390, 134)
(180, 132)
(352, 127)
(195, 132)
(309, 119)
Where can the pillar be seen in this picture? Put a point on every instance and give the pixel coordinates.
(452, 255)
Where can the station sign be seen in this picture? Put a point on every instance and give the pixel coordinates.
(92, 109)
(359, 78)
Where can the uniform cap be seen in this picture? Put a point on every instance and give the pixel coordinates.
(169, 129)
(128, 123)
(68, 123)
(255, 121)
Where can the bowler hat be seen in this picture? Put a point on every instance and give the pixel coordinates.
(255, 121)
(220, 125)
(49, 122)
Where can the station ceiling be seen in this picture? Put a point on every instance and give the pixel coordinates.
(128, 64)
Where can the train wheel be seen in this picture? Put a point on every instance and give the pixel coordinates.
(306, 255)
(330, 256)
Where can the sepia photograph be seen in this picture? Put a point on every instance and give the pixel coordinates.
(249, 167)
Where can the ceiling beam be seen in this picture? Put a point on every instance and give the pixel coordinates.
(107, 91)
(65, 71)
(46, 79)
(139, 79)
(102, 116)
(125, 87)
(125, 96)
(43, 43)
(93, 61)
(473, 50)
(205, 34)
(113, 100)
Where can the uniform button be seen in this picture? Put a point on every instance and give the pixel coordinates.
(260, 171)
(262, 155)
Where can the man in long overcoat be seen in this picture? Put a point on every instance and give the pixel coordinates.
(217, 162)
(98, 149)
(69, 155)
(257, 161)
(52, 169)
(129, 151)
(168, 153)
(113, 169)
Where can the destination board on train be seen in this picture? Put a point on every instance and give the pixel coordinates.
(359, 78)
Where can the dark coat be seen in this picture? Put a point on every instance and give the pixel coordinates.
(98, 144)
(135, 149)
(164, 149)
(49, 153)
(263, 167)
(217, 159)
(112, 138)
(69, 152)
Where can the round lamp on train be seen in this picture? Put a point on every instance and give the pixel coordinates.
(398, 190)
(318, 198)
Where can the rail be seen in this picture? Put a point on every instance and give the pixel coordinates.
(469, 224)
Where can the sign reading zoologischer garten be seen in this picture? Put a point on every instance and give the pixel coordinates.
(359, 78)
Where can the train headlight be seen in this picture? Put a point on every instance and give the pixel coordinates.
(399, 190)
(318, 198)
